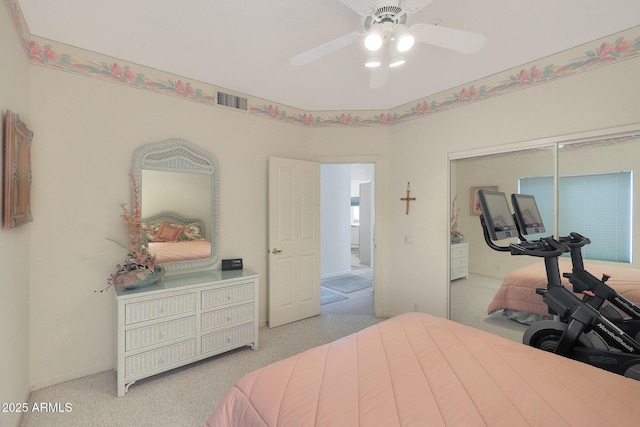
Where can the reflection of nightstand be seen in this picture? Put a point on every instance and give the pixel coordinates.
(459, 261)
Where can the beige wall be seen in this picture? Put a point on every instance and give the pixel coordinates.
(90, 128)
(15, 242)
(86, 131)
(418, 152)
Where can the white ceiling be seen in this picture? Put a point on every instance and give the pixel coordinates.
(245, 45)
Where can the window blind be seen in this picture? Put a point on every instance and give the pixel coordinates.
(598, 206)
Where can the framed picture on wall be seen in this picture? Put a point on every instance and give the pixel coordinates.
(476, 209)
(17, 172)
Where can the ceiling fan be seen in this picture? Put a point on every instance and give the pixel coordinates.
(387, 37)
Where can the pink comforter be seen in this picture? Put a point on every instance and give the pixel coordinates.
(518, 290)
(419, 370)
(180, 251)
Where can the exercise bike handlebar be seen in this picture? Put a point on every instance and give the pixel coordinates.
(544, 248)
(575, 240)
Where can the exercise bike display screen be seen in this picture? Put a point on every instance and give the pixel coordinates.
(497, 215)
(527, 214)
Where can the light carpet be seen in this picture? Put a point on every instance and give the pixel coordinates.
(469, 301)
(183, 397)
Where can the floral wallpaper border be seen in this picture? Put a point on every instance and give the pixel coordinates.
(609, 50)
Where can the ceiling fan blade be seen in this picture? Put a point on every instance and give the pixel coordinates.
(363, 7)
(379, 76)
(412, 6)
(449, 38)
(324, 49)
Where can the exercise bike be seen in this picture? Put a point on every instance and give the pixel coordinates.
(594, 291)
(579, 332)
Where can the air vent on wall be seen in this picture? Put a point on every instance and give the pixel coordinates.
(232, 101)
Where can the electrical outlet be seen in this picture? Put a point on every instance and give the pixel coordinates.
(416, 308)
(408, 239)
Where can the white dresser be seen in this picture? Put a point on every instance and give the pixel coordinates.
(459, 261)
(183, 319)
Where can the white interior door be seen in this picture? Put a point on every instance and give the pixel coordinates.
(294, 240)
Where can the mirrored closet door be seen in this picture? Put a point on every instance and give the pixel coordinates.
(585, 183)
(470, 297)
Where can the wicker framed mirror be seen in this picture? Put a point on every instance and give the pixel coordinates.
(179, 186)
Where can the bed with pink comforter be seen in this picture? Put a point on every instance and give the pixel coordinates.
(518, 290)
(180, 251)
(173, 237)
(419, 370)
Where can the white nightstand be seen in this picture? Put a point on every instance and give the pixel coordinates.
(459, 261)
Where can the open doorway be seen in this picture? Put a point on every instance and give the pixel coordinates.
(347, 238)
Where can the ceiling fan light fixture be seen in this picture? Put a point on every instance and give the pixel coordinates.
(396, 61)
(373, 62)
(404, 40)
(373, 41)
(405, 43)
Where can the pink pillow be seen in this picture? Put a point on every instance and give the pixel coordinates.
(168, 233)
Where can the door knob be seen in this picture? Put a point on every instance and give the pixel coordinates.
(275, 251)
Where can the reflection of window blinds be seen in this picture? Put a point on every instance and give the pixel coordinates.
(596, 206)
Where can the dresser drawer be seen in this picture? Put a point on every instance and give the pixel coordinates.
(458, 272)
(458, 251)
(220, 340)
(229, 316)
(161, 307)
(159, 333)
(143, 362)
(228, 295)
(458, 262)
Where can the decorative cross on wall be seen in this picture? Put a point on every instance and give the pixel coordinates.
(408, 198)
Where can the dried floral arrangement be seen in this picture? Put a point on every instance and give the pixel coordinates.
(456, 236)
(140, 266)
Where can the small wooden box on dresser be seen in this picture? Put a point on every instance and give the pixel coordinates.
(183, 319)
(459, 261)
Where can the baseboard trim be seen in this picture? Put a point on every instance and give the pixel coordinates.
(37, 385)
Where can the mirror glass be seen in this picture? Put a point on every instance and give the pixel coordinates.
(178, 196)
(597, 184)
(596, 196)
(471, 295)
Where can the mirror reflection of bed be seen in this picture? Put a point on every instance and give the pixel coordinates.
(176, 208)
(172, 237)
(471, 298)
(178, 194)
(173, 207)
